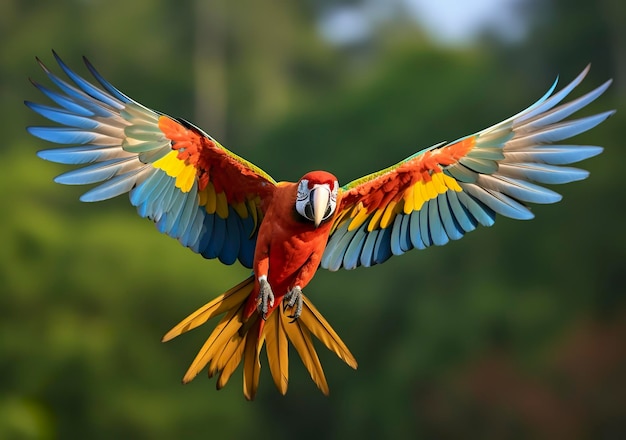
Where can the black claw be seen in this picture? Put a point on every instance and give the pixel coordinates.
(293, 300)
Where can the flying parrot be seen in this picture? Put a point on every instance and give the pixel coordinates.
(221, 206)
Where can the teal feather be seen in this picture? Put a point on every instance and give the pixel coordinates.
(145, 132)
(482, 213)
(341, 246)
(423, 225)
(395, 241)
(97, 172)
(518, 189)
(558, 114)
(405, 233)
(184, 215)
(435, 226)
(551, 154)
(139, 195)
(461, 173)
(451, 228)
(466, 221)
(485, 201)
(415, 232)
(367, 256)
(482, 166)
(78, 155)
(382, 247)
(189, 237)
(557, 132)
(332, 260)
(543, 173)
(120, 184)
(488, 154)
(355, 248)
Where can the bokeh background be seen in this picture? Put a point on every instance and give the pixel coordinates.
(516, 331)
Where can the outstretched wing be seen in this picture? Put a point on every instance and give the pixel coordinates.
(194, 189)
(442, 192)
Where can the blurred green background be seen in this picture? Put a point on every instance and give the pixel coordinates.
(515, 331)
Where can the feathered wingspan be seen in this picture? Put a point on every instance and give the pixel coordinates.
(234, 339)
(442, 192)
(194, 189)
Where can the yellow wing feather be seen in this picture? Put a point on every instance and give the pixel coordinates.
(211, 198)
(222, 205)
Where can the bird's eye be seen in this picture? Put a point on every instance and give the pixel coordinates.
(308, 211)
(329, 211)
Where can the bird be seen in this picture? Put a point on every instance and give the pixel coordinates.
(222, 206)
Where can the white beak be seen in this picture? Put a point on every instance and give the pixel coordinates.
(321, 195)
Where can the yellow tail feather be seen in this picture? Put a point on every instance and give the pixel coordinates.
(251, 366)
(321, 329)
(219, 305)
(277, 351)
(234, 339)
(300, 337)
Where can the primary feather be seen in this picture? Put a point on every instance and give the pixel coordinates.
(445, 191)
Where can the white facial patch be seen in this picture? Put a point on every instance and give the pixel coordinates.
(304, 199)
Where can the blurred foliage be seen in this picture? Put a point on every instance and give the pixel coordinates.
(514, 331)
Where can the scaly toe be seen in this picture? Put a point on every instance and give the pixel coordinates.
(294, 300)
(265, 299)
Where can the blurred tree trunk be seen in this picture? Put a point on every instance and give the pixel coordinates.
(615, 13)
(210, 67)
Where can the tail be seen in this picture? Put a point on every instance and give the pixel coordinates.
(235, 339)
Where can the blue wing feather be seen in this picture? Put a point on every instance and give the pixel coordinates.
(499, 174)
(230, 249)
(435, 225)
(353, 252)
(64, 102)
(396, 237)
(367, 255)
(415, 231)
(382, 248)
(88, 88)
(121, 140)
(114, 187)
(61, 116)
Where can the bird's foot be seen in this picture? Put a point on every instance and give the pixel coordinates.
(293, 300)
(265, 298)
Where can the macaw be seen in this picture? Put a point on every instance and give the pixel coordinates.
(222, 206)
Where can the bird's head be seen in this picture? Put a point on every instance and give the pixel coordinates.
(317, 196)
